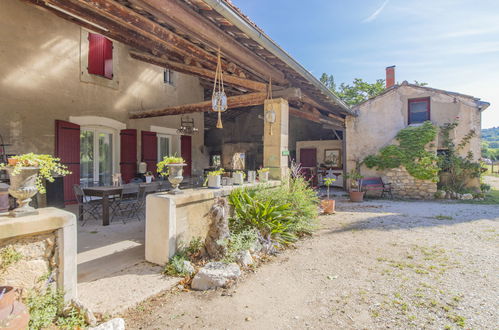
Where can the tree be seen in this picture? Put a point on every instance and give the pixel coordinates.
(356, 93)
(359, 91)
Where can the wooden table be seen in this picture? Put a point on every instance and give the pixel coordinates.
(103, 192)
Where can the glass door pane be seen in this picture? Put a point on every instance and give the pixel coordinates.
(163, 147)
(86, 157)
(105, 158)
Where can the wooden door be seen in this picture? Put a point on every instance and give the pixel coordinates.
(186, 153)
(149, 146)
(128, 154)
(308, 157)
(67, 148)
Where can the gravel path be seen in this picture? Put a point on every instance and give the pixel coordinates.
(372, 265)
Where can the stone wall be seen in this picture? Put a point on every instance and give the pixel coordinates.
(406, 186)
(37, 260)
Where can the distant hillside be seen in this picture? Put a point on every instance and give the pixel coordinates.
(490, 143)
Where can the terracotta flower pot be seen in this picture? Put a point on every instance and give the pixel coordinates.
(328, 206)
(13, 314)
(356, 196)
(12, 161)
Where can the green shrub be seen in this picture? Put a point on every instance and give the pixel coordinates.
(46, 309)
(485, 187)
(270, 219)
(176, 267)
(237, 242)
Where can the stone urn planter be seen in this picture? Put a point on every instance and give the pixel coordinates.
(356, 196)
(13, 314)
(23, 188)
(175, 177)
(263, 176)
(251, 176)
(214, 181)
(238, 178)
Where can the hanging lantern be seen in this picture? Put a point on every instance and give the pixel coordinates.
(270, 115)
(218, 98)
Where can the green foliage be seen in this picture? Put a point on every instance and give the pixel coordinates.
(176, 267)
(263, 170)
(237, 242)
(356, 93)
(328, 182)
(185, 252)
(216, 172)
(484, 187)
(410, 153)
(167, 160)
(490, 143)
(458, 168)
(48, 166)
(281, 213)
(46, 308)
(355, 177)
(241, 172)
(9, 256)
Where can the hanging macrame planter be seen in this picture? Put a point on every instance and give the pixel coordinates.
(219, 99)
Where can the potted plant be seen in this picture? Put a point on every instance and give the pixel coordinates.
(149, 176)
(356, 193)
(214, 179)
(172, 166)
(263, 174)
(27, 174)
(328, 204)
(239, 177)
(251, 176)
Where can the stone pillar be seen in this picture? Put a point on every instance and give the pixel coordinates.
(274, 145)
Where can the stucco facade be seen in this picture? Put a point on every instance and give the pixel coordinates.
(43, 78)
(381, 118)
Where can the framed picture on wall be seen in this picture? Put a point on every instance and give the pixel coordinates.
(332, 157)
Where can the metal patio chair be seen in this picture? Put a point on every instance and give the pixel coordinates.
(86, 205)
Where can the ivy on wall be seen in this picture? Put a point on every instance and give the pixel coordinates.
(410, 153)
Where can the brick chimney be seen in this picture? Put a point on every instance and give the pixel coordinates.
(390, 76)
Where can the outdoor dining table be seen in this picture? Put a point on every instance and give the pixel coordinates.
(103, 192)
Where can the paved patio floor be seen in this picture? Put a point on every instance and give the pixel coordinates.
(112, 272)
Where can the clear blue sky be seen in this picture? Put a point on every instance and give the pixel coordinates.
(450, 44)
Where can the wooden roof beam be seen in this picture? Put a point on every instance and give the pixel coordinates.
(238, 101)
(184, 18)
(131, 20)
(196, 71)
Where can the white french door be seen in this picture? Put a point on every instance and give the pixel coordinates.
(96, 155)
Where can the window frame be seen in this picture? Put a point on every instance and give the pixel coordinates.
(169, 73)
(100, 56)
(167, 136)
(419, 99)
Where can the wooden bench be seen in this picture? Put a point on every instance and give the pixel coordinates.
(376, 184)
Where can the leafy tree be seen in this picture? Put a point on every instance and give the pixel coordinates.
(359, 91)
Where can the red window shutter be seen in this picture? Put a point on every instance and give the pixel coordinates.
(186, 153)
(67, 148)
(128, 154)
(100, 55)
(149, 148)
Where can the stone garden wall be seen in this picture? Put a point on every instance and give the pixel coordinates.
(28, 261)
(406, 186)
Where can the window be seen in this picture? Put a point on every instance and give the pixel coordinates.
(164, 146)
(96, 156)
(419, 110)
(168, 76)
(100, 55)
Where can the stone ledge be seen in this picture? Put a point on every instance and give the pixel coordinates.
(48, 219)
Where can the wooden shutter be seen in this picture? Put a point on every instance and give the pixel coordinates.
(186, 152)
(149, 148)
(128, 154)
(67, 148)
(100, 55)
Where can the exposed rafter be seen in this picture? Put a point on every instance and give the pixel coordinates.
(194, 70)
(184, 18)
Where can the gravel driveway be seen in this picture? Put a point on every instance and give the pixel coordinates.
(372, 265)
